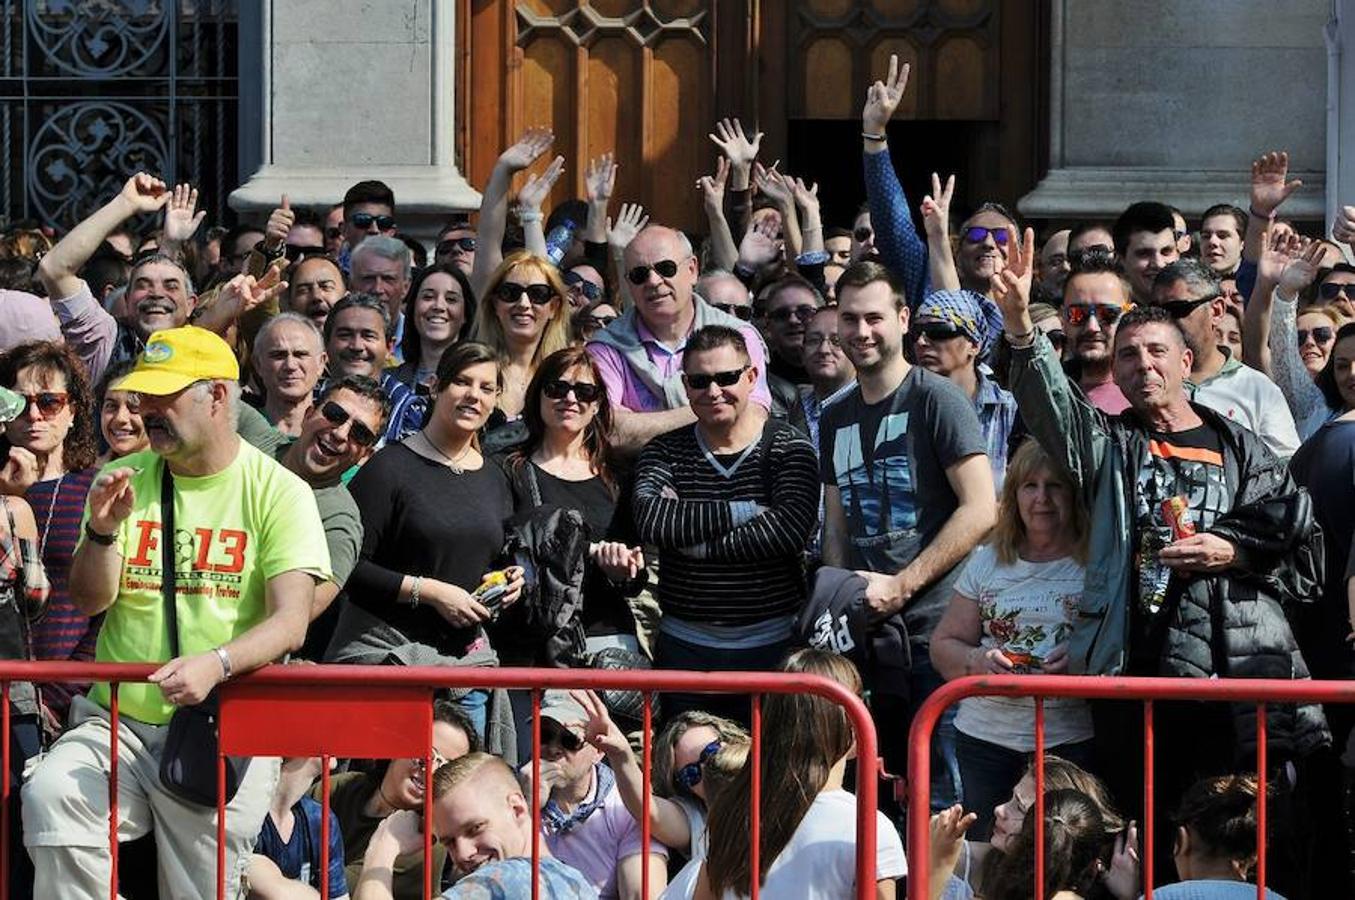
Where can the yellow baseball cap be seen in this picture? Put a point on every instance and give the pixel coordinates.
(177, 357)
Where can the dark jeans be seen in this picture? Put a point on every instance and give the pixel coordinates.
(25, 740)
(989, 771)
(893, 715)
(674, 653)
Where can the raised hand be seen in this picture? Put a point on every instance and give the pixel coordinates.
(401, 832)
(1301, 269)
(806, 197)
(883, 97)
(1122, 878)
(19, 472)
(1277, 249)
(759, 245)
(773, 185)
(279, 223)
(712, 187)
(527, 149)
(599, 729)
(245, 292)
(936, 207)
(1344, 229)
(1269, 187)
(599, 179)
(145, 193)
(948, 829)
(629, 222)
(1011, 286)
(181, 222)
(537, 188)
(110, 500)
(737, 147)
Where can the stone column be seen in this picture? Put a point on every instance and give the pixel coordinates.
(1171, 101)
(339, 91)
(1340, 108)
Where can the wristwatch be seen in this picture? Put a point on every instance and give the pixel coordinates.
(104, 540)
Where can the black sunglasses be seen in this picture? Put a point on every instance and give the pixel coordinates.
(333, 232)
(699, 381)
(294, 252)
(584, 391)
(336, 415)
(1321, 334)
(365, 220)
(590, 290)
(736, 310)
(1331, 290)
(640, 274)
(938, 331)
(800, 313)
(447, 247)
(862, 234)
(562, 736)
(510, 291)
(1179, 309)
(601, 321)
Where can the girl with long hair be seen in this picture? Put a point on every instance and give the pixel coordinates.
(439, 311)
(804, 846)
(1012, 611)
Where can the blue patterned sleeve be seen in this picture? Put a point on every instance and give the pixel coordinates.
(901, 247)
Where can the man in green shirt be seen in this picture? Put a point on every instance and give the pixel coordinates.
(248, 551)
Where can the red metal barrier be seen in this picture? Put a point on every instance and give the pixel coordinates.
(384, 712)
(1039, 687)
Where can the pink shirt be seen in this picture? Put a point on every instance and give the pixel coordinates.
(627, 391)
(1108, 398)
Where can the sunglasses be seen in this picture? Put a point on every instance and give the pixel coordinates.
(1321, 334)
(510, 291)
(294, 252)
(862, 234)
(800, 313)
(1179, 309)
(333, 232)
(640, 274)
(584, 391)
(689, 776)
(699, 381)
(452, 245)
(590, 290)
(562, 736)
(601, 321)
(1331, 290)
(336, 415)
(47, 403)
(977, 234)
(736, 310)
(1079, 313)
(936, 332)
(365, 220)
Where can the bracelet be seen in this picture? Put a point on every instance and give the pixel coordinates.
(873, 137)
(103, 540)
(414, 590)
(529, 215)
(1251, 211)
(225, 658)
(1021, 341)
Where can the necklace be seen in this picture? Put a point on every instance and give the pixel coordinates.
(51, 510)
(452, 462)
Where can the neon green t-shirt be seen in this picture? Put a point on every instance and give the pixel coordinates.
(235, 530)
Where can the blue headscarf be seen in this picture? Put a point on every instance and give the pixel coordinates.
(969, 311)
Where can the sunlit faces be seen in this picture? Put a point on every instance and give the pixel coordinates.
(1228, 333)
(457, 247)
(825, 363)
(158, 298)
(316, 284)
(48, 417)
(1147, 254)
(1343, 370)
(982, 250)
(871, 325)
(289, 360)
(404, 781)
(338, 433)
(688, 749)
(1220, 243)
(1195, 315)
(1316, 333)
(1097, 238)
(785, 317)
(1092, 305)
(659, 297)
(585, 285)
(465, 404)
(1151, 365)
(1044, 502)
(386, 278)
(1338, 290)
(357, 343)
(1010, 816)
(483, 820)
(719, 382)
(570, 403)
(1054, 261)
(121, 425)
(364, 219)
(524, 302)
(439, 309)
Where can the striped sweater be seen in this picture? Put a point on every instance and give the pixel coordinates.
(731, 529)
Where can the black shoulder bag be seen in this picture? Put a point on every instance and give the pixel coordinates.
(188, 760)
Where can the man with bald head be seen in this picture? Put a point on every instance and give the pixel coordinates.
(640, 354)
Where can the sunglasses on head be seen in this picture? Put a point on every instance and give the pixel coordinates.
(336, 415)
(800, 313)
(510, 291)
(689, 776)
(48, 403)
(1079, 313)
(739, 311)
(365, 220)
(590, 290)
(862, 234)
(562, 736)
(977, 234)
(1179, 309)
(1332, 289)
(450, 245)
(584, 391)
(699, 381)
(1321, 334)
(666, 268)
(935, 332)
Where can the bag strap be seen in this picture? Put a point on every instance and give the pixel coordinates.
(20, 585)
(167, 557)
(533, 486)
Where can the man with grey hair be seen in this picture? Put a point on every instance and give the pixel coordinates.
(159, 295)
(380, 265)
(640, 354)
(724, 291)
(205, 518)
(289, 358)
(1189, 291)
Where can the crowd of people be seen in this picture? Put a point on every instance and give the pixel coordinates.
(885, 454)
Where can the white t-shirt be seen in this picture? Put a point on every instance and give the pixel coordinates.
(819, 863)
(1026, 608)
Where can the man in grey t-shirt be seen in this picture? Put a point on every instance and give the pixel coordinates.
(908, 491)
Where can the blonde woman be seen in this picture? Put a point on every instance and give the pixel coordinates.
(524, 318)
(1012, 612)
